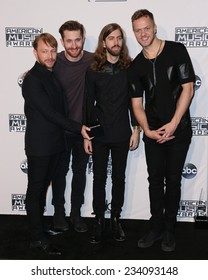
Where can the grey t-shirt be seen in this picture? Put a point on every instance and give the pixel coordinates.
(71, 75)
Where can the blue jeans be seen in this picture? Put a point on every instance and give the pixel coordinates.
(119, 153)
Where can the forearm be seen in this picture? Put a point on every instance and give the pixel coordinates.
(183, 103)
(140, 115)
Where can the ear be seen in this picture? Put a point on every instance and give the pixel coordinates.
(35, 54)
(104, 45)
(62, 42)
(155, 29)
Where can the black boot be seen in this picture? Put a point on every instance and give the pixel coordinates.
(77, 221)
(97, 231)
(59, 220)
(118, 233)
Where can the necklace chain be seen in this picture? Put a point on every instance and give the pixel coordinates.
(153, 61)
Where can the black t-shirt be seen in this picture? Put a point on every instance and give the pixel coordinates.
(173, 68)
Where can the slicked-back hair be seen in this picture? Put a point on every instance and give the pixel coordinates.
(100, 56)
(142, 13)
(72, 25)
(47, 38)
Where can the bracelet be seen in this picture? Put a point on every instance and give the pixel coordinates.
(137, 127)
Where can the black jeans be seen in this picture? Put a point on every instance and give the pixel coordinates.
(40, 171)
(119, 153)
(75, 149)
(165, 165)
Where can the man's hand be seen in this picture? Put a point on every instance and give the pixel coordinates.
(84, 132)
(88, 146)
(134, 140)
(166, 132)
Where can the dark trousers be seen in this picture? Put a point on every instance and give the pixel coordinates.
(40, 171)
(75, 149)
(119, 152)
(165, 165)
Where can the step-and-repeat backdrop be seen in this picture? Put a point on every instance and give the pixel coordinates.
(183, 21)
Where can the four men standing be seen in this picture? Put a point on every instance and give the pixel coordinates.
(162, 71)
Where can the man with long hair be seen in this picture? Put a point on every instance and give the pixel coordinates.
(107, 104)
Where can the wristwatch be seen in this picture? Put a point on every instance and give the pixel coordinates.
(137, 127)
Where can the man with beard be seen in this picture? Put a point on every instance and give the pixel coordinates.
(44, 137)
(164, 73)
(70, 70)
(107, 104)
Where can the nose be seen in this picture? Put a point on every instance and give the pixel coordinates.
(116, 41)
(50, 55)
(143, 32)
(73, 44)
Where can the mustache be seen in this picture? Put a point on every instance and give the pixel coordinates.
(76, 48)
(116, 46)
(51, 59)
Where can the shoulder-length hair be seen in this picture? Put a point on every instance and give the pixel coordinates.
(100, 52)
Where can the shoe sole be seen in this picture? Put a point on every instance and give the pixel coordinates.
(168, 249)
(53, 253)
(45, 252)
(119, 240)
(149, 244)
(78, 230)
(54, 232)
(140, 245)
(95, 242)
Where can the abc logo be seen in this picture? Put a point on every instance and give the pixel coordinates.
(197, 83)
(189, 171)
(20, 79)
(23, 166)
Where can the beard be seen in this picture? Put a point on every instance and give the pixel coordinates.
(48, 63)
(114, 52)
(74, 52)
